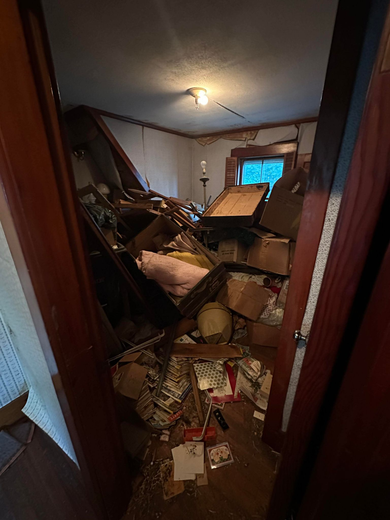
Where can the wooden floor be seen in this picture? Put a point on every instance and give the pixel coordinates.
(239, 491)
(43, 484)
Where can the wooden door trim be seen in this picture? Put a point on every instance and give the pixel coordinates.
(42, 226)
(344, 290)
(353, 438)
(339, 83)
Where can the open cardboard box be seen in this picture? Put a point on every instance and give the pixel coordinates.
(263, 335)
(283, 211)
(232, 250)
(271, 253)
(203, 290)
(237, 206)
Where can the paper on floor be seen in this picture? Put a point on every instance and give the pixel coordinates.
(259, 415)
(189, 460)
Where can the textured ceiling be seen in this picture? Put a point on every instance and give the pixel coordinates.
(265, 60)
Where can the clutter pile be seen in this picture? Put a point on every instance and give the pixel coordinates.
(228, 287)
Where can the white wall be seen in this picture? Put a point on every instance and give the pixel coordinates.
(215, 155)
(171, 163)
(164, 159)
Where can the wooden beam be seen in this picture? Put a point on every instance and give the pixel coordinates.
(201, 350)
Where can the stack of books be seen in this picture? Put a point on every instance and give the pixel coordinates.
(177, 382)
(176, 387)
(145, 404)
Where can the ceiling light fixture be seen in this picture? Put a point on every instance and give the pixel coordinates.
(199, 93)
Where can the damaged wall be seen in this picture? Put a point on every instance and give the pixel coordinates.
(215, 154)
(42, 406)
(171, 163)
(164, 159)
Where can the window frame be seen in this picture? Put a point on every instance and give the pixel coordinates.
(264, 152)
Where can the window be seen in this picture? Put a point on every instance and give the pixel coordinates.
(254, 164)
(267, 169)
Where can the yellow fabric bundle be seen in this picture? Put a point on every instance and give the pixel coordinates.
(189, 258)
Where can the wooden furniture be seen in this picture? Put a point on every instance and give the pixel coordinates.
(237, 206)
(85, 123)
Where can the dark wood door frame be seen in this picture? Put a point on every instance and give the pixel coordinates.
(340, 79)
(351, 477)
(41, 222)
(359, 244)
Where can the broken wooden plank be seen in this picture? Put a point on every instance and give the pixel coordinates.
(205, 350)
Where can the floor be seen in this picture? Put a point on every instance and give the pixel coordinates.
(43, 484)
(239, 491)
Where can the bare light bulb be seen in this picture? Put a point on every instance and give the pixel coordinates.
(203, 99)
(203, 165)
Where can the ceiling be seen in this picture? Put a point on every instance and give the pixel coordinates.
(264, 59)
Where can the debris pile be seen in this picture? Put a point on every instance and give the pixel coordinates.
(199, 319)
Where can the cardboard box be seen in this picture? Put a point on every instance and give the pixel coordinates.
(190, 304)
(237, 206)
(271, 253)
(232, 250)
(263, 335)
(282, 213)
(246, 298)
(129, 379)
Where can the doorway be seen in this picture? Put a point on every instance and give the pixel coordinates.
(93, 365)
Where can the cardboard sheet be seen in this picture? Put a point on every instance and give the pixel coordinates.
(129, 379)
(246, 298)
(283, 210)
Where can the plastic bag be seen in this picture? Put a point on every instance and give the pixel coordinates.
(103, 217)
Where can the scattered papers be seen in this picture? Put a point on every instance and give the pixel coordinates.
(259, 415)
(251, 390)
(251, 367)
(202, 480)
(226, 394)
(189, 460)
